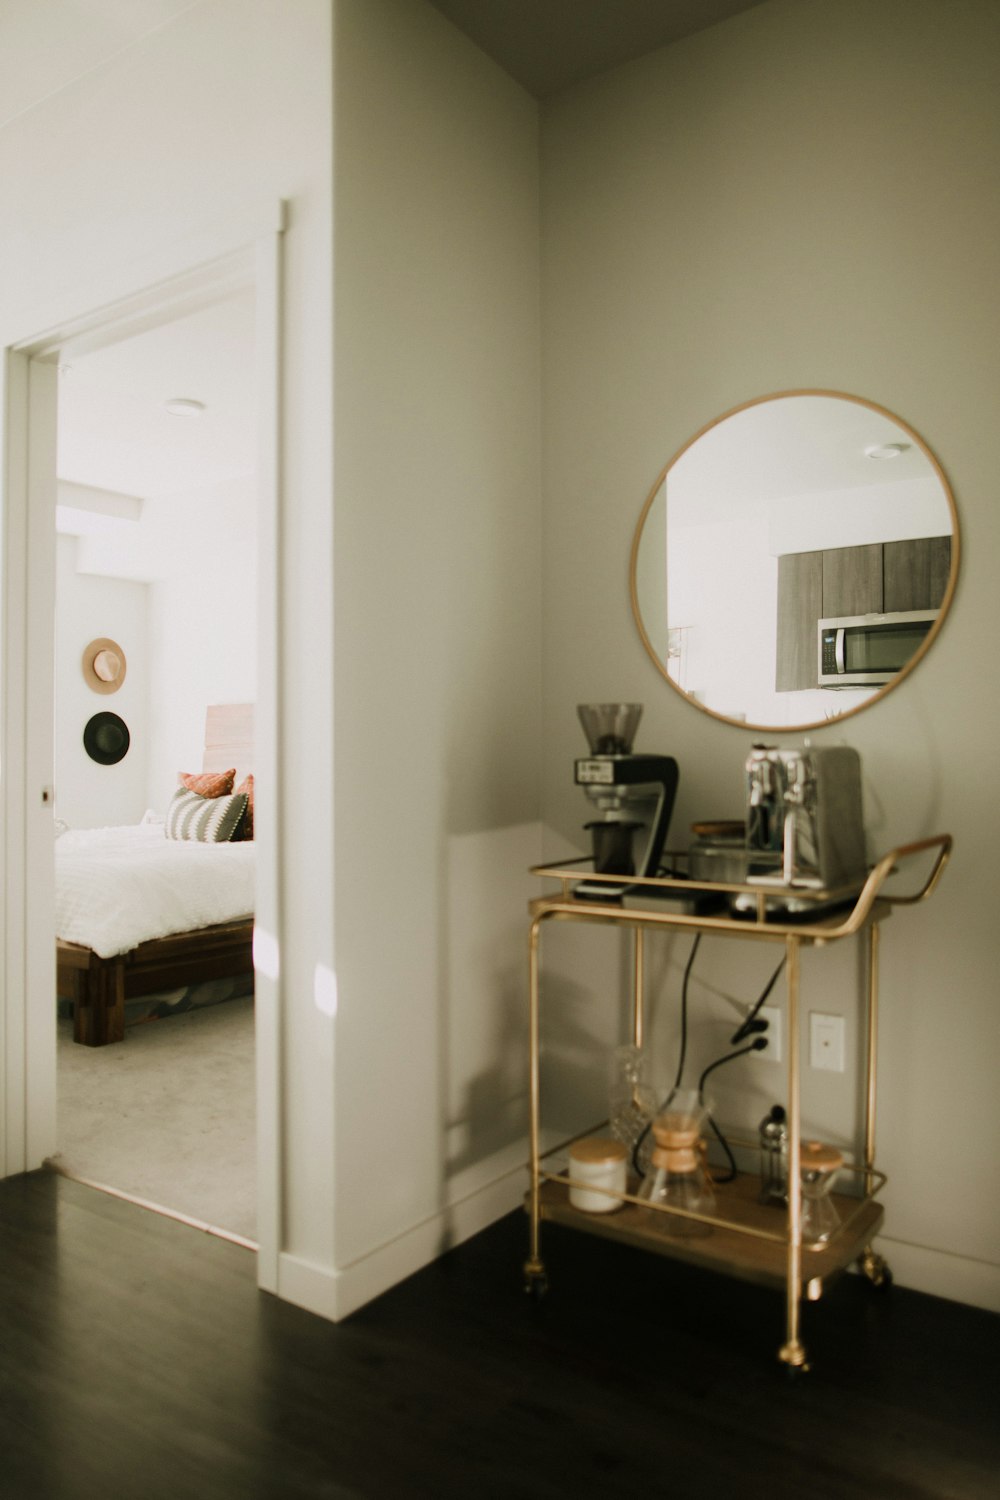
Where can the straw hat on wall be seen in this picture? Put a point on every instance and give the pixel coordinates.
(104, 666)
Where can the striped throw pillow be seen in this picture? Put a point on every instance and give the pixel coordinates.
(246, 789)
(209, 820)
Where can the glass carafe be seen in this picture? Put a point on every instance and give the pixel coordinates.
(677, 1177)
(632, 1104)
(819, 1165)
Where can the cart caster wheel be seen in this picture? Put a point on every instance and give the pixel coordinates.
(536, 1282)
(874, 1267)
(793, 1358)
(536, 1287)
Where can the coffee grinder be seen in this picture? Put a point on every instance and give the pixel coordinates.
(634, 795)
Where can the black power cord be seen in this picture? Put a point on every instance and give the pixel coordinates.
(757, 1045)
(750, 1026)
(684, 1010)
(683, 1052)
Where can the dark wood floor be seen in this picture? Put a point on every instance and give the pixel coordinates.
(138, 1359)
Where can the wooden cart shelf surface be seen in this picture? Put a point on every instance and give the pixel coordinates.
(735, 1249)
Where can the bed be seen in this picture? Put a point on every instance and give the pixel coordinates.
(138, 914)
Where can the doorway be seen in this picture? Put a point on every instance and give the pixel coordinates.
(155, 618)
(30, 400)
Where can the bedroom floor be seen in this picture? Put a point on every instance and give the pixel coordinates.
(167, 1116)
(139, 1359)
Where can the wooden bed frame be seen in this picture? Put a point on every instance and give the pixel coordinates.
(99, 987)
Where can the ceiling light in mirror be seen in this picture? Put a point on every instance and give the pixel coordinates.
(773, 518)
(886, 451)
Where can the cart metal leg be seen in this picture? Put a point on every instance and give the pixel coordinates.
(535, 1281)
(870, 1263)
(535, 1278)
(872, 1054)
(638, 986)
(792, 1351)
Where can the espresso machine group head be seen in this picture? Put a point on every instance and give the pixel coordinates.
(632, 793)
(804, 817)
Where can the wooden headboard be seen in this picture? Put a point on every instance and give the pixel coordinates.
(229, 738)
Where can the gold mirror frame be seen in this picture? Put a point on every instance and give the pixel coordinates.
(918, 655)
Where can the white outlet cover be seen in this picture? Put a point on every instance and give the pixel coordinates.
(826, 1042)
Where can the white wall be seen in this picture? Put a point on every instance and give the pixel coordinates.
(855, 517)
(437, 582)
(202, 621)
(723, 591)
(438, 625)
(196, 549)
(188, 137)
(796, 198)
(89, 795)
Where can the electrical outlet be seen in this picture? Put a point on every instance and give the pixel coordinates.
(826, 1042)
(772, 1052)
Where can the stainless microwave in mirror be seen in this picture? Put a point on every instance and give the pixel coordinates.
(868, 650)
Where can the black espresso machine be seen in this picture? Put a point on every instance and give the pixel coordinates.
(632, 793)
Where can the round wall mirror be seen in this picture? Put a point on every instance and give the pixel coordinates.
(795, 560)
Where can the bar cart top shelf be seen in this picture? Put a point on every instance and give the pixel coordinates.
(678, 901)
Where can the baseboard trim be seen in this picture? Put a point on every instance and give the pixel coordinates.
(336, 1293)
(307, 1285)
(941, 1273)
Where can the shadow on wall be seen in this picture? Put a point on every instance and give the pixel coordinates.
(491, 1122)
(494, 1111)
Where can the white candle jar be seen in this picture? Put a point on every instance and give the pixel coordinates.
(597, 1167)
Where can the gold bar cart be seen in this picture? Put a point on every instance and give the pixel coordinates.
(747, 1240)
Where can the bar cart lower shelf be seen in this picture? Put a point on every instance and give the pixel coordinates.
(755, 1251)
(746, 1239)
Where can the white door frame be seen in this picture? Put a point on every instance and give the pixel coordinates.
(184, 280)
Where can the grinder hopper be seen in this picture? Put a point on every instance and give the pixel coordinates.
(610, 727)
(633, 795)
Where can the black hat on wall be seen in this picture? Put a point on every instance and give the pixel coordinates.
(106, 739)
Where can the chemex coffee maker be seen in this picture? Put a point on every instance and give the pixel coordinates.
(803, 818)
(633, 794)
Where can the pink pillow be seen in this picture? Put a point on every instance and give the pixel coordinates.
(209, 783)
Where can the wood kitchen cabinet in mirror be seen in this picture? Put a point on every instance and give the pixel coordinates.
(852, 582)
(794, 509)
(915, 573)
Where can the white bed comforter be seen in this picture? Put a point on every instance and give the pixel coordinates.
(118, 887)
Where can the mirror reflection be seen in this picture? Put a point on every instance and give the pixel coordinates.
(795, 560)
